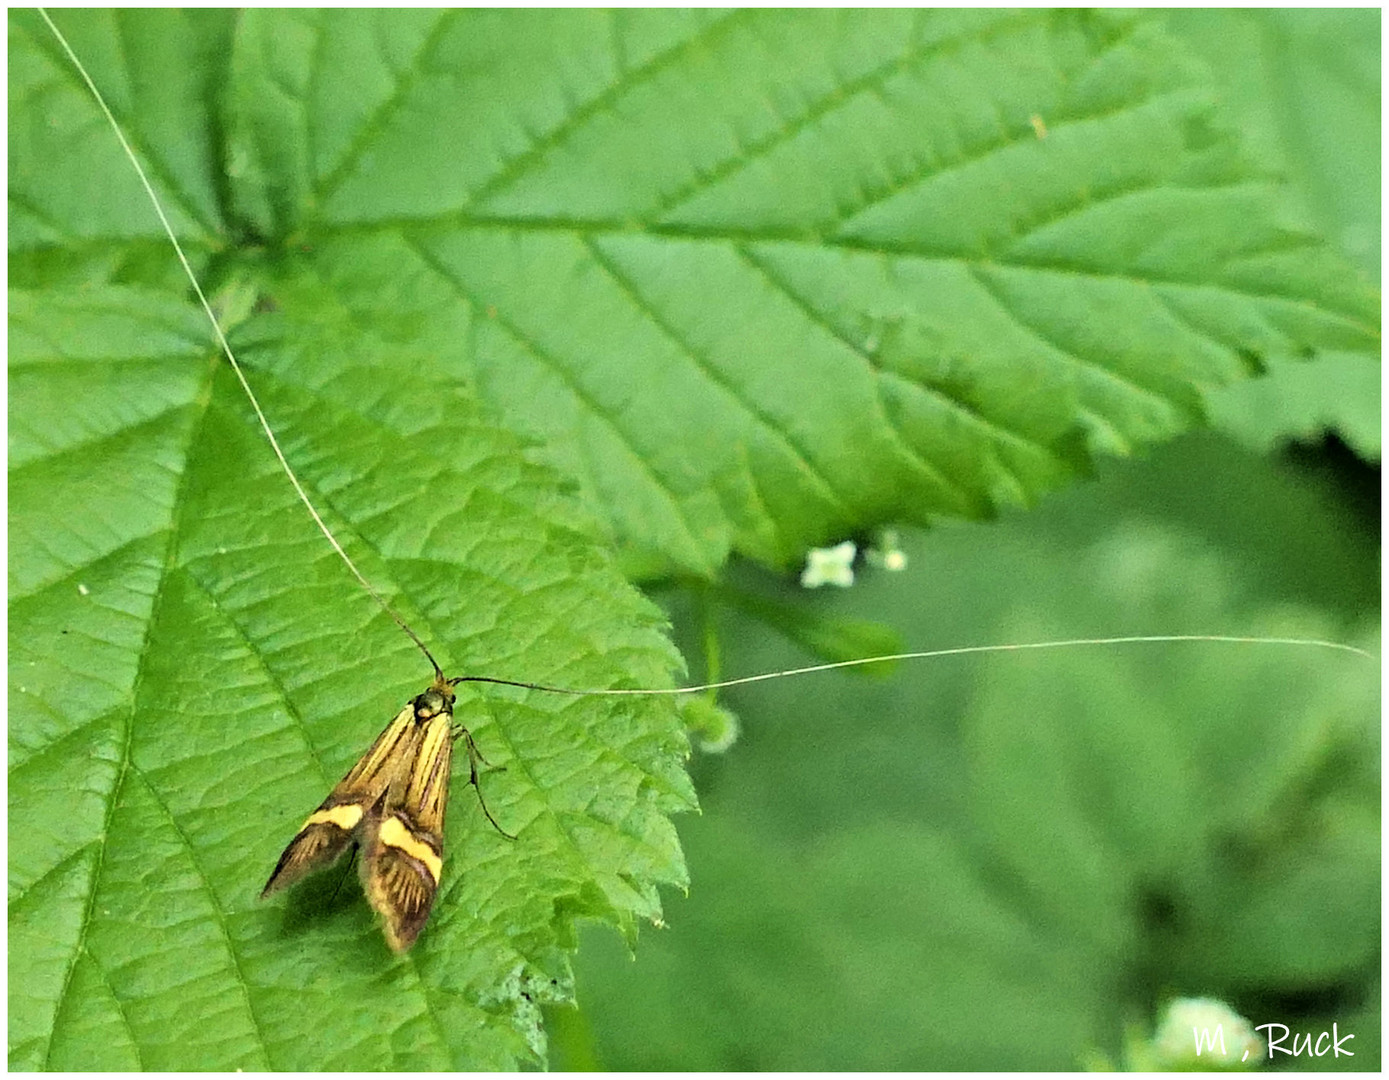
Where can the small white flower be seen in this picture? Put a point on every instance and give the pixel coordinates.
(1203, 1033)
(830, 566)
(885, 554)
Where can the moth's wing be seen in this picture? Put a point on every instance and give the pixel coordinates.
(384, 760)
(318, 844)
(403, 839)
(331, 829)
(421, 790)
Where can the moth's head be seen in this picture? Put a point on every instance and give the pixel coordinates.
(437, 699)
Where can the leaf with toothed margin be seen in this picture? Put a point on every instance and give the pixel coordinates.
(755, 280)
(191, 660)
(762, 280)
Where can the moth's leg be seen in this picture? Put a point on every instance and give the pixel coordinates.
(351, 861)
(473, 752)
(474, 756)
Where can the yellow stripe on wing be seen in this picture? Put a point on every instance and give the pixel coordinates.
(394, 833)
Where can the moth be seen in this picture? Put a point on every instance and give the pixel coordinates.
(391, 805)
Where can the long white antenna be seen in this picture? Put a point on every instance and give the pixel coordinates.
(1147, 639)
(964, 650)
(227, 349)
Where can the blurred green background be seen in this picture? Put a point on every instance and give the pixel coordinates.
(1007, 862)
(1000, 862)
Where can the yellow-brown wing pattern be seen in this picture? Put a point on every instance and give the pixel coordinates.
(403, 842)
(392, 802)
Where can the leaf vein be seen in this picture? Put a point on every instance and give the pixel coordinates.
(1022, 134)
(514, 167)
(979, 275)
(173, 191)
(625, 438)
(280, 690)
(967, 412)
(124, 761)
(218, 912)
(799, 454)
(372, 125)
(840, 96)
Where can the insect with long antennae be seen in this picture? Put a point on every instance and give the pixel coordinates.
(484, 678)
(399, 787)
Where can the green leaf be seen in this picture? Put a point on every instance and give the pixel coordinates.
(700, 281)
(189, 657)
(77, 211)
(1340, 392)
(1305, 88)
(1222, 837)
(858, 286)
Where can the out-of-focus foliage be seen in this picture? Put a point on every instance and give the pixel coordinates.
(1005, 862)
